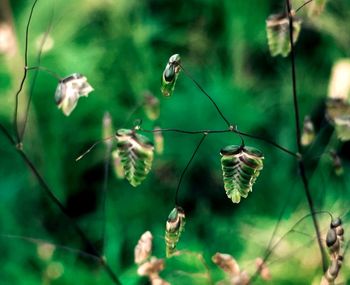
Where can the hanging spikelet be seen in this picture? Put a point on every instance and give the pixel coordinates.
(175, 225)
(151, 106)
(136, 154)
(316, 7)
(277, 29)
(240, 166)
(69, 90)
(170, 74)
(308, 135)
(158, 140)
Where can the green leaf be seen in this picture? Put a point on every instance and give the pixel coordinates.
(277, 29)
(136, 154)
(175, 225)
(241, 167)
(170, 75)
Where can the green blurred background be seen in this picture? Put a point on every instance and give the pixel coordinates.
(122, 47)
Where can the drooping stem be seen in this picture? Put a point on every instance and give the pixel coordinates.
(206, 94)
(224, 131)
(15, 118)
(301, 164)
(61, 207)
(185, 169)
(26, 116)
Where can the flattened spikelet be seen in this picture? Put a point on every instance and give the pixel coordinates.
(175, 225)
(240, 166)
(136, 154)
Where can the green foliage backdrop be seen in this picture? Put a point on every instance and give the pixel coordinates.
(122, 47)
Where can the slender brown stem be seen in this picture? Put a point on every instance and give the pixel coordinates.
(15, 119)
(62, 208)
(301, 164)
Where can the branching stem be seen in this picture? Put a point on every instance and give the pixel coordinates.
(185, 169)
(301, 164)
(15, 118)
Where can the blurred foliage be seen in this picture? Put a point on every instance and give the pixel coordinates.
(122, 47)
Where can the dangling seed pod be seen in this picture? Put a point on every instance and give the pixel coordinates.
(277, 29)
(136, 153)
(151, 106)
(337, 163)
(175, 225)
(69, 90)
(240, 166)
(170, 74)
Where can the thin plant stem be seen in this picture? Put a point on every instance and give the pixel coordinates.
(224, 131)
(59, 246)
(301, 164)
(303, 5)
(15, 117)
(104, 193)
(292, 230)
(185, 169)
(34, 79)
(206, 94)
(47, 70)
(61, 207)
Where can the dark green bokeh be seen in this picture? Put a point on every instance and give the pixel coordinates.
(122, 47)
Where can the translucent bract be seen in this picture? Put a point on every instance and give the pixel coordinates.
(69, 90)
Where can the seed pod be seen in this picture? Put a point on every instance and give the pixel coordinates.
(69, 90)
(331, 240)
(342, 127)
(337, 163)
(170, 74)
(277, 29)
(175, 225)
(227, 263)
(316, 7)
(240, 166)
(308, 135)
(136, 153)
(143, 249)
(158, 140)
(117, 165)
(151, 106)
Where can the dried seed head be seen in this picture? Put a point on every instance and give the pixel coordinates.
(175, 225)
(227, 263)
(263, 269)
(151, 268)
(151, 106)
(69, 90)
(143, 249)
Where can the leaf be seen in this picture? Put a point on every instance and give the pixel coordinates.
(277, 29)
(69, 90)
(170, 75)
(136, 153)
(175, 225)
(240, 166)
